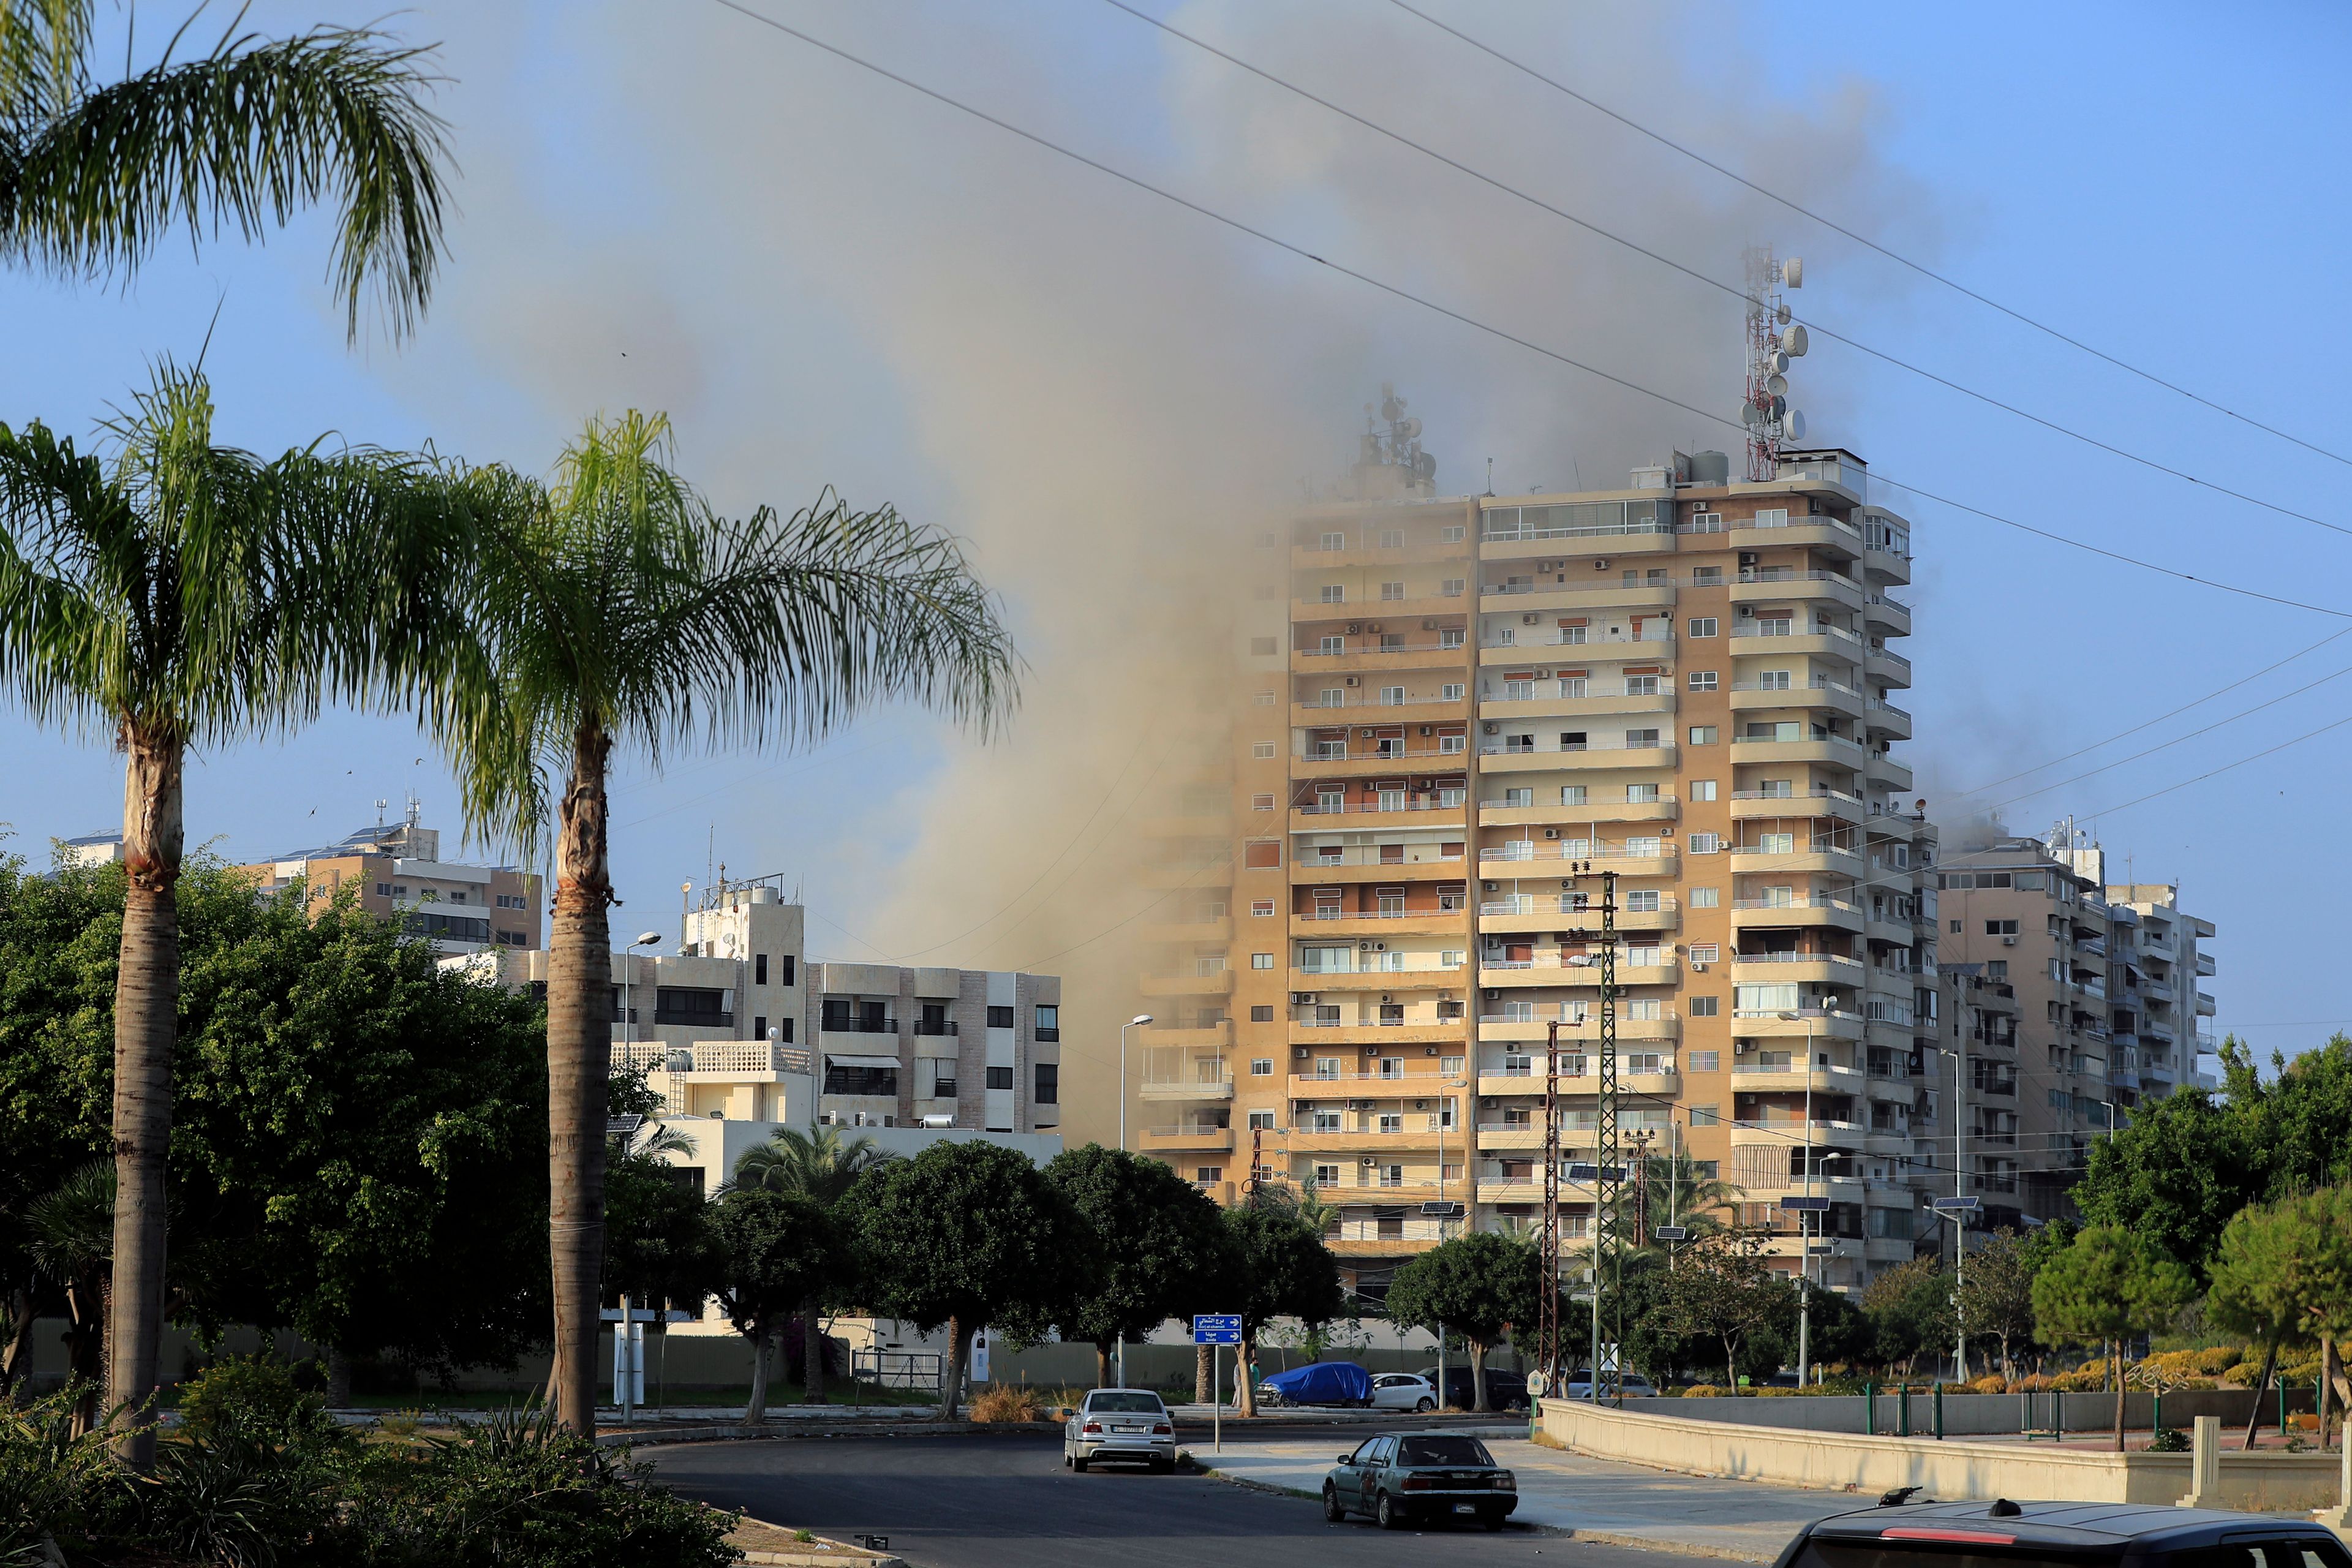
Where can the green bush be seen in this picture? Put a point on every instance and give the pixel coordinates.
(1704, 1391)
(254, 1395)
(2168, 1440)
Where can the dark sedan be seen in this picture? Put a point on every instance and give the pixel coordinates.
(1505, 1390)
(1410, 1478)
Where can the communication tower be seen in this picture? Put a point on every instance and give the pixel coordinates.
(1773, 339)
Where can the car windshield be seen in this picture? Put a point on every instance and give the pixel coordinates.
(1444, 1449)
(1127, 1401)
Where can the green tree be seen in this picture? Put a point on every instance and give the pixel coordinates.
(1160, 1234)
(965, 1235)
(94, 172)
(1841, 1332)
(1995, 1293)
(1281, 1269)
(2283, 1274)
(823, 1164)
(1676, 1189)
(1479, 1286)
(614, 607)
(772, 1249)
(71, 1232)
(2185, 1165)
(1909, 1308)
(2108, 1286)
(1721, 1287)
(175, 593)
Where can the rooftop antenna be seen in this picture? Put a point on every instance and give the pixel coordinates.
(1772, 341)
(1490, 476)
(380, 806)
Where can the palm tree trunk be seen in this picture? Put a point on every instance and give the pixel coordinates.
(146, 1030)
(1204, 1375)
(1245, 1379)
(1102, 1365)
(579, 1065)
(812, 1352)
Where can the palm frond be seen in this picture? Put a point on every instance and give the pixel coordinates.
(240, 139)
(43, 47)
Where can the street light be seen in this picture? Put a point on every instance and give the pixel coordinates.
(1446, 1106)
(1804, 1243)
(1135, 1022)
(628, 970)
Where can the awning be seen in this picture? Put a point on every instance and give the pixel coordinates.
(833, 1059)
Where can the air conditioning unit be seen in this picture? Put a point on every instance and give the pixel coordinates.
(1364, 734)
(1698, 966)
(1602, 564)
(1355, 680)
(1488, 1103)
(1429, 729)
(1747, 612)
(1379, 947)
(1429, 626)
(1749, 558)
(1551, 832)
(2008, 941)
(1355, 626)
(1741, 1047)
(1529, 619)
(1365, 946)
(1371, 625)
(1360, 1105)
(1490, 887)
(1490, 727)
(1429, 1050)
(1299, 1051)
(1494, 995)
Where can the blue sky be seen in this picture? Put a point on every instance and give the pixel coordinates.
(827, 281)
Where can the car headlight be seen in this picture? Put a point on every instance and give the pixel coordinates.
(1505, 1482)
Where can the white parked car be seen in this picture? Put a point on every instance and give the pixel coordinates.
(1118, 1423)
(1402, 1391)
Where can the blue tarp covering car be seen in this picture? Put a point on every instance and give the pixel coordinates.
(1320, 1383)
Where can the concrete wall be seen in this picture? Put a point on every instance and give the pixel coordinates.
(1847, 1461)
(1978, 1414)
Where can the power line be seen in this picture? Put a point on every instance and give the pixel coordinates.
(2226, 767)
(1500, 334)
(1691, 272)
(1834, 226)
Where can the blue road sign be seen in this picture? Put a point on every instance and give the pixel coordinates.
(1810, 1205)
(1217, 1328)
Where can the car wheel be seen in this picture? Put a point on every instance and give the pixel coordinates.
(1387, 1514)
(1065, 1458)
(1425, 1405)
(1162, 1466)
(1491, 1521)
(1333, 1509)
(1078, 1465)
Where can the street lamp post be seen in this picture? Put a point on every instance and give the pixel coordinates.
(628, 971)
(1805, 1242)
(1135, 1022)
(1445, 1106)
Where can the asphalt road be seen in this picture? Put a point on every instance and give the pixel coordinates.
(992, 1501)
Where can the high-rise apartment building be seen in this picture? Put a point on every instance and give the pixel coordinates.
(2105, 979)
(395, 870)
(1457, 714)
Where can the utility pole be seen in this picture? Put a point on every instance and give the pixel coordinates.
(1609, 1180)
(1548, 1353)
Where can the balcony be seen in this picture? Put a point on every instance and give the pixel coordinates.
(1627, 858)
(1203, 1083)
(1644, 1072)
(1755, 859)
(1157, 1036)
(1820, 691)
(1425, 1081)
(1219, 983)
(1579, 1030)
(1535, 643)
(1832, 748)
(1800, 968)
(1789, 586)
(1419, 862)
(1885, 773)
(1591, 705)
(1365, 705)
(1420, 976)
(1428, 653)
(1555, 912)
(1794, 1076)
(1886, 563)
(1549, 969)
(1361, 549)
(1886, 667)
(1208, 932)
(1750, 639)
(1543, 597)
(1377, 759)
(1318, 612)
(1502, 814)
(1887, 721)
(1415, 1130)
(1817, 1023)
(1768, 914)
(1757, 805)
(757, 1059)
(1625, 524)
(1496, 757)
(1768, 1129)
(833, 1023)
(1333, 923)
(1887, 614)
(1366, 815)
(1818, 531)
(1193, 1139)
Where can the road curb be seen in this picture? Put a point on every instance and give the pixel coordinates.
(1594, 1537)
(735, 1434)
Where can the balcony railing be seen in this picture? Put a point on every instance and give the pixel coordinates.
(1353, 702)
(714, 1056)
(1840, 905)
(1810, 847)
(1765, 629)
(1836, 742)
(1505, 749)
(1568, 637)
(1544, 849)
(1395, 648)
(1768, 574)
(1492, 692)
(1818, 683)
(1561, 904)
(1324, 913)
(1381, 751)
(857, 1024)
(1370, 807)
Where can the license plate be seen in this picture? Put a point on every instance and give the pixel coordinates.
(1129, 1431)
(1466, 1508)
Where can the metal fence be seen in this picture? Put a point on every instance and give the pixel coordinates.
(918, 1371)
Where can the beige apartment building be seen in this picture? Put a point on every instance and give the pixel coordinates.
(2108, 1008)
(396, 871)
(1455, 714)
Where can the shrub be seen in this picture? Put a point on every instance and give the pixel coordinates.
(1005, 1402)
(2168, 1440)
(1704, 1391)
(1992, 1383)
(254, 1395)
(2216, 1360)
(1773, 1391)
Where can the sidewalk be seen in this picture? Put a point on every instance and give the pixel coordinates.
(1594, 1499)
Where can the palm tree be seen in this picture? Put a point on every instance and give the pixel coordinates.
(93, 173)
(173, 594)
(822, 1166)
(72, 1234)
(1678, 1188)
(614, 607)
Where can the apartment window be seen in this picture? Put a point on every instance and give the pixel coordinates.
(1049, 1023)
(1451, 692)
(1391, 592)
(1207, 1176)
(1260, 854)
(1392, 696)
(1261, 803)
(1956, 928)
(1332, 593)
(1002, 1017)
(759, 972)
(1000, 1077)
(1641, 901)
(1707, 576)
(1261, 906)
(1262, 647)
(943, 1081)
(1641, 739)
(1705, 843)
(1451, 637)
(1702, 625)
(383, 889)
(1452, 589)
(1706, 1006)
(1520, 796)
(1265, 699)
(1049, 1083)
(1704, 1061)
(1641, 685)
(1261, 1067)
(1263, 1013)
(1702, 734)
(1996, 969)
(1705, 953)
(1326, 1175)
(1335, 542)
(1261, 961)
(1453, 742)
(1263, 750)
(1261, 1120)
(759, 1025)
(1701, 789)
(1702, 681)
(1393, 539)
(2000, 928)
(1642, 794)
(1449, 959)
(1705, 1116)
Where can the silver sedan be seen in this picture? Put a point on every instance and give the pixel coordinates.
(1118, 1423)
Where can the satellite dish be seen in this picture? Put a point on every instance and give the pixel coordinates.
(1776, 363)
(1391, 409)
(1793, 340)
(1748, 415)
(1780, 314)
(1792, 272)
(1408, 428)
(1796, 424)
(1779, 408)
(1425, 465)
(1776, 385)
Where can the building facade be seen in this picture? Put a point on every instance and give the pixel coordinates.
(737, 1022)
(396, 871)
(1456, 716)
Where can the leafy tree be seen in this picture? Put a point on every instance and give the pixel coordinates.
(2283, 1273)
(2109, 1285)
(72, 1242)
(614, 608)
(175, 593)
(97, 171)
(2185, 1165)
(656, 1242)
(1281, 1269)
(1995, 1293)
(1680, 1189)
(1160, 1235)
(1910, 1309)
(1841, 1332)
(1722, 1288)
(1479, 1286)
(964, 1235)
(771, 1250)
(823, 1165)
